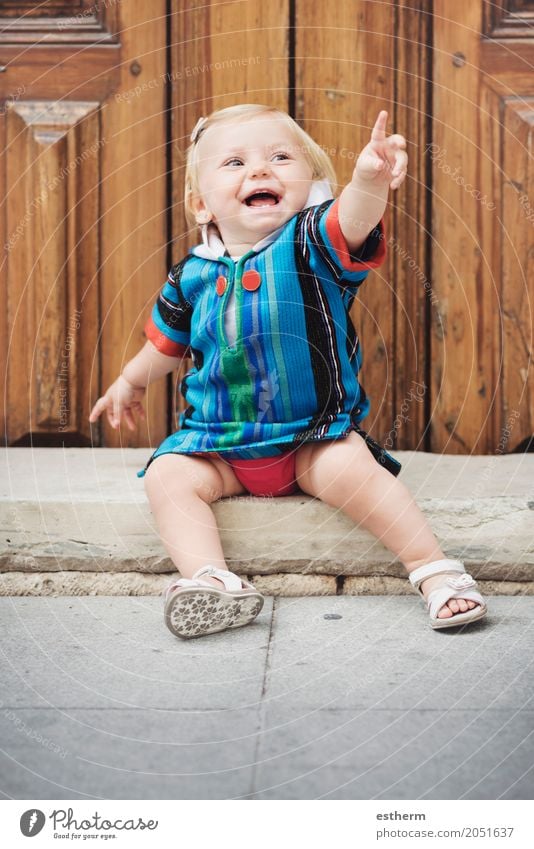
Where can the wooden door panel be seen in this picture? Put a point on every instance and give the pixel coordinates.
(51, 22)
(52, 197)
(482, 327)
(134, 231)
(518, 269)
(84, 211)
(26, 10)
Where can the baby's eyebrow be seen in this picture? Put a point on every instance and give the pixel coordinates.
(281, 144)
(271, 146)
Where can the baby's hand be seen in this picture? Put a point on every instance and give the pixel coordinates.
(383, 159)
(121, 399)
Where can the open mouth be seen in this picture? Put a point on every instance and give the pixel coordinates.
(262, 198)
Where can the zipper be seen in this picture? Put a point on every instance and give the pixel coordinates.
(235, 275)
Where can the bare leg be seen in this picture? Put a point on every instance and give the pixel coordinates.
(344, 474)
(180, 489)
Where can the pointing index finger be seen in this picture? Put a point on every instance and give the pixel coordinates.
(379, 130)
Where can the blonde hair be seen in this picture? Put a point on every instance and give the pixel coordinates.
(317, 158)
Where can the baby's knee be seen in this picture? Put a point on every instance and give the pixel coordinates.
(179, 476)
(158, 477)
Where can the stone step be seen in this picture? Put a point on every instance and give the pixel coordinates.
(77, 521)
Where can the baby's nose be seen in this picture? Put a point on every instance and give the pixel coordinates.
(259, 169)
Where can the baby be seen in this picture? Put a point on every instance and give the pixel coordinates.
(262, 307)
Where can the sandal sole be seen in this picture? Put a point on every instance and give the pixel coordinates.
(451, 623)
(197, 611)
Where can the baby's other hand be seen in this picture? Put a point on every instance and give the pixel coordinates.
(384, 159)
(121, 399)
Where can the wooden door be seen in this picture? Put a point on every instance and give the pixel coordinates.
(98, 104)
(482, 227)
(83, 212)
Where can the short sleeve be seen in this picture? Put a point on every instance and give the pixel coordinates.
(328, 247)
(169, 325)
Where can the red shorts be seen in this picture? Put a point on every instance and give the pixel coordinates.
(266, 475)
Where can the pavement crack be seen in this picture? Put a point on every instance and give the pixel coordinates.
(269, 652)
(261, 711)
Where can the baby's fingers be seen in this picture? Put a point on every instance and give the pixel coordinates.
(398, 181)
(129, 419)
(128, 414)
(113, 418)
(370, 164)
(378, 133)
(98, 409)
(399, 169)
(396, 141)
(119, 410)
(394, 146)
(138, 407)
(135, 408)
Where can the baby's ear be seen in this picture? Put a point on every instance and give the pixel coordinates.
(203, 217)
(200, 210)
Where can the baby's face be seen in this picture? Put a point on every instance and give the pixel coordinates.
(253, 177)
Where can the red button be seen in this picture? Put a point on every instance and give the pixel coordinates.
(220, 286)
(251, 280)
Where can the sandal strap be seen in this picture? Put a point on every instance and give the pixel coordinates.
(230, 581)
(438, 567)
(441, 595)
(181, 582)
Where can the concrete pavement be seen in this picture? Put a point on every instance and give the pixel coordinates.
(330, 697)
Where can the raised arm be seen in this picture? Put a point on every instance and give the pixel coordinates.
(381, 166)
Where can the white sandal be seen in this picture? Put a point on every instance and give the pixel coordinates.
(462, 586)
(194, 607)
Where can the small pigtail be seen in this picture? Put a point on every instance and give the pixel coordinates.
(197, 129)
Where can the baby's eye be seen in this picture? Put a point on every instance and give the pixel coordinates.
(283, 155)
(235, 160)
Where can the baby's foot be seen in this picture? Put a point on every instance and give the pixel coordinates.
(215, 581)
(454, 605)
(192, 610)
